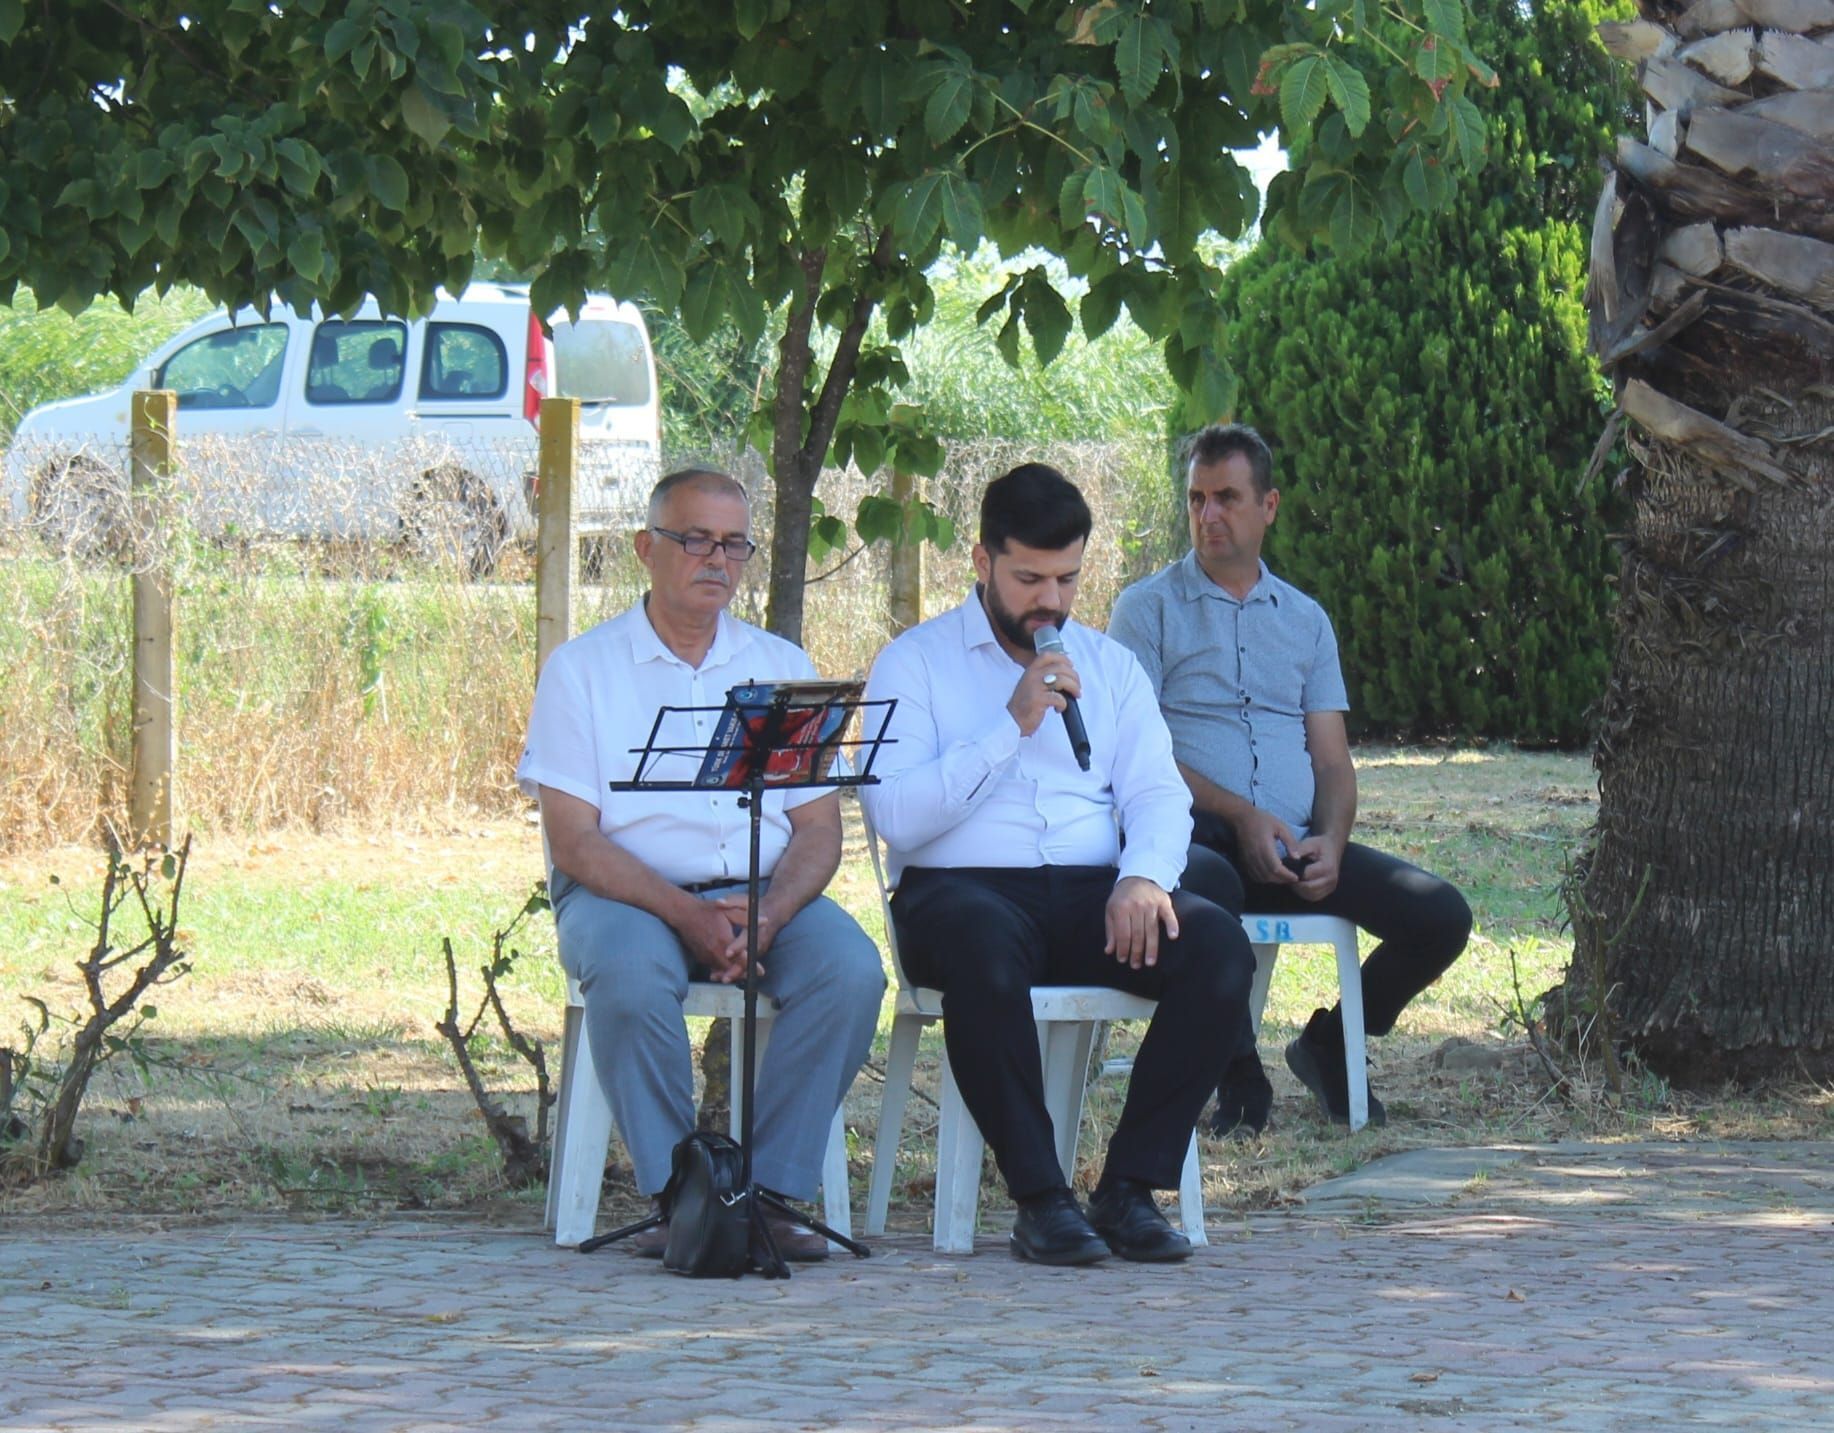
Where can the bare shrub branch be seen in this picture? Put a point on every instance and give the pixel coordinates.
(525, 1159)
(35, 1144)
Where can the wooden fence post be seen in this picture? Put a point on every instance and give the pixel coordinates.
(554, 545)
(155, 740)
(906, 586)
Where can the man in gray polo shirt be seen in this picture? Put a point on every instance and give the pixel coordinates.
(1248, 679)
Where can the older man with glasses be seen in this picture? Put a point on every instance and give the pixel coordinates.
(649, 889)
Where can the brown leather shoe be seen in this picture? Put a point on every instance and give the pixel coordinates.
(793, 1241)
(652, 1241)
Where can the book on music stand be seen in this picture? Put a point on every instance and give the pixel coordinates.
(769, 736)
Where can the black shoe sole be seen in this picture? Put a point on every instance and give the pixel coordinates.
(1305, 1068)
(1061, 1258)
(1168, 1253)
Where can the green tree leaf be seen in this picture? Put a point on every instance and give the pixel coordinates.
(879, 519)
(1355, 222)
(951, 98)
(961, 211)
(883, 94)
(1436, 62)
(1047, 317)
(1446, 18)
(307, 256)
(919, 213)
(1349, 92)
(1139, 55)
(388, 181)
(1468, 134)
(424, 115)
(1302, 93)
(725, 210)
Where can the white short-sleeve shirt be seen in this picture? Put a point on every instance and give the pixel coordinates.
(595, 708)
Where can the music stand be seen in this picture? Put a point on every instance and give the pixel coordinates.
(768, 736)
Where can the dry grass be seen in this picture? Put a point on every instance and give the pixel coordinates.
(337, 686)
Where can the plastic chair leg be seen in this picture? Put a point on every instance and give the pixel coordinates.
(900, 1061)
(1191, 1196)
(557, 1156)
(1064, 1047)
(1350, 1000)
(1265, 956)
(837, 1207)
(585, 1133)
(958, 1171)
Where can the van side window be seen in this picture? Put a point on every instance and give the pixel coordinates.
(232, 368)
(601, 361)
(463, 360)
(357, 362)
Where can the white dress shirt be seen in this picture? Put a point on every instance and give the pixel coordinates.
(961, 787)
(595, 706)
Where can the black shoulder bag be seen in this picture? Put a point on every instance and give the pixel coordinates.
(708, 1209)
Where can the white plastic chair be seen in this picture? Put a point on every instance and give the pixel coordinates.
(1067, 1017)
(1267, 934)
(582, 1118)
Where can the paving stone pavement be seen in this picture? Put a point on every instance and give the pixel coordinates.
(1570, 1286)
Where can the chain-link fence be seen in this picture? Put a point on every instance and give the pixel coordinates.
(354, 632)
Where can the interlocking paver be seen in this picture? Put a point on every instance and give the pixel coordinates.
(1698, 1292)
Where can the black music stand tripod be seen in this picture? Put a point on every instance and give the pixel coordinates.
(763, 740)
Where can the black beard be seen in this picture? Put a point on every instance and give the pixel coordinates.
(1013, 627)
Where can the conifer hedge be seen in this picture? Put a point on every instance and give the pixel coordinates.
(1432, 410)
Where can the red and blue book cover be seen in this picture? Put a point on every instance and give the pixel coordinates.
(795, 727)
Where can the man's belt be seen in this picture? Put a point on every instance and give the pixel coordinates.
(700, 888)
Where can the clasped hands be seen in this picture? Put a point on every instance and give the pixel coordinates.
(714, 933)
(1261, 836)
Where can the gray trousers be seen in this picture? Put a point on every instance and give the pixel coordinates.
(822, 973)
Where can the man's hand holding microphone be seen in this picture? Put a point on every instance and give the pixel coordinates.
(1050, 683)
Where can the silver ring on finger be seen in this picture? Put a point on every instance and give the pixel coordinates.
(1050, 679)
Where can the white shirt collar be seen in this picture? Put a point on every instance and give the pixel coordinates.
(977, 630)
(646, 644)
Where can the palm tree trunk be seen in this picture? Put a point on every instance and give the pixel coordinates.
(1705, 907)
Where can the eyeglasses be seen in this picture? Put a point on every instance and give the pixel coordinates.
(699, 544)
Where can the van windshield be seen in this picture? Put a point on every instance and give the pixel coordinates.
(601, 361)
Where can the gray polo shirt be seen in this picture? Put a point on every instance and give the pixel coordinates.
(1235, 679)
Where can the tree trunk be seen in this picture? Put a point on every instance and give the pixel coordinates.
(1706, 904)
(790, 520)
(803, 429)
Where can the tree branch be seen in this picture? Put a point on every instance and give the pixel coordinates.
(827, 410)
(794, 358)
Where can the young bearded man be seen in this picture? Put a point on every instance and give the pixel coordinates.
(1246, 671)
(1010, 871)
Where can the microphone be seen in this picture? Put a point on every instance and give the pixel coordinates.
(1048, 639)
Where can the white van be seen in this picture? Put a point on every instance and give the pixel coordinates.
(367, 428)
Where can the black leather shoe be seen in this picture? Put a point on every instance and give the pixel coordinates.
(1244, 1099)
(1051, 1229)
(1317, 1059)
(1127, 1216)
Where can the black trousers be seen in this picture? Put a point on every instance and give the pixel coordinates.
(1421, 921)
(985, 936)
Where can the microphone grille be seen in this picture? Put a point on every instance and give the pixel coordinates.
(1047, 639)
